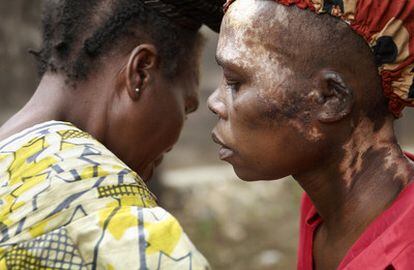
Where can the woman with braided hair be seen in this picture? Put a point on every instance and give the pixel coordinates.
(117, 81)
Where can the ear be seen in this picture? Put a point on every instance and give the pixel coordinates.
(335, 97)
(142, 60)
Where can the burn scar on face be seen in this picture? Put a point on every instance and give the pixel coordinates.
(367, 144)
(249, 40)
(243, 44)
(293, 105)
(246, 26)
(308, 131)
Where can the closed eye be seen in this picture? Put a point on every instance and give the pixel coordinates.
(234, 86)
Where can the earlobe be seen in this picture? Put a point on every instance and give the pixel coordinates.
(142, 60)
(337, 98)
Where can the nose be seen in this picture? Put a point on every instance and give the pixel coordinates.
(216, 105)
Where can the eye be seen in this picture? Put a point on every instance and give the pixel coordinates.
(234, 86)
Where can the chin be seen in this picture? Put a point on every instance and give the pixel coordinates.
(254, 176)
(147, 174)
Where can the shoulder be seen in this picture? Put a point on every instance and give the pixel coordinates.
(52, 170)
(59, 148)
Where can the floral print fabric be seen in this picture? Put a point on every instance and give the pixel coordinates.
(66, 202)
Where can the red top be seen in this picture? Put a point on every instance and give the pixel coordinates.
(387, 243)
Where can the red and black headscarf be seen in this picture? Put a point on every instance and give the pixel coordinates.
(388, 27)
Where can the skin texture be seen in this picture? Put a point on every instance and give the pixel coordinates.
(288, 109)
(138, 127)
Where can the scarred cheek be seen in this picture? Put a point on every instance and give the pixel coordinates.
(290, 108)
(310, 133)
(247, 112)
(272, 76)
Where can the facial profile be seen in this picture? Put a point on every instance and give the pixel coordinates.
(155, 114)
(256, 113)
(128, 72)
(278, 103)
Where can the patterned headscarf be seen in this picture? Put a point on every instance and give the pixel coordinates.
(190, 13)
(388, 27)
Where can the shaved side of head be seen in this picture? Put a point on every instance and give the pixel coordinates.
(306, 42)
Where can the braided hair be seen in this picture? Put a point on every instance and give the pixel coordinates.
(78, 33)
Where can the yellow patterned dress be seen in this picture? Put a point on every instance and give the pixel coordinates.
(66, 202)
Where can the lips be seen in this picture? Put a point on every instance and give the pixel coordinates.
(225, 152)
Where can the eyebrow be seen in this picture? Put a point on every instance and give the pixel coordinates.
(224, 63)
(219, 60)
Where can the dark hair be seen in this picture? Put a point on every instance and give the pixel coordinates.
(77, 33)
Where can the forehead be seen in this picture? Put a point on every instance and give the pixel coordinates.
(250, 29)
(248, 12)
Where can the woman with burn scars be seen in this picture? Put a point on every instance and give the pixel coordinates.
(312, 89)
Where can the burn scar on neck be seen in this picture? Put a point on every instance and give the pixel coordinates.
(366, 147)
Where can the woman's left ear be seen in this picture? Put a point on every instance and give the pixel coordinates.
(336, 98)
(143, 59)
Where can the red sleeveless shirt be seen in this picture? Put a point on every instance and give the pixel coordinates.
(386, 244)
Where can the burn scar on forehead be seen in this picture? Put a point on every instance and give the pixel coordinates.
(247, 33)
(247, 12)
(367, 143)
(241, 13)
(246, 41)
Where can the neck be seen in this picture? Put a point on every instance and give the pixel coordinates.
(352, 189)
(55, 100)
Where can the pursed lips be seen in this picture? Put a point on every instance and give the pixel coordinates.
(225, 152)
(217, 140)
